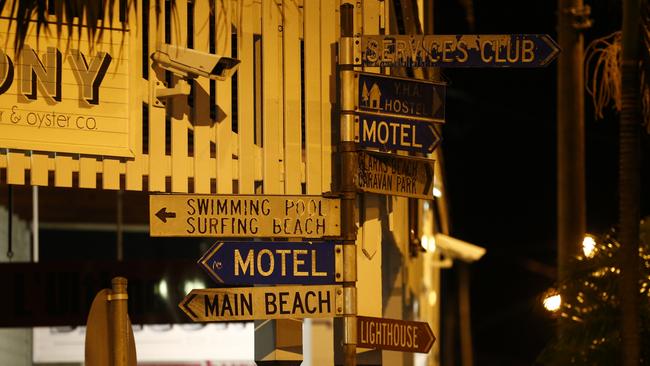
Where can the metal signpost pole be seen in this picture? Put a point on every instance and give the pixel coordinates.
(570, 121)
(571, 216)
(347, 154)
(117, 299)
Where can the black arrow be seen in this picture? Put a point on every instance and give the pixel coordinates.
(430, 172)
(163, 215)
(554, 49)
(185, 305)
(435, 141)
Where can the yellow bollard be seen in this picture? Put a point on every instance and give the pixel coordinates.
(109, 336)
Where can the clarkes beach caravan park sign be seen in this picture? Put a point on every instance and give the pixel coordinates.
(63, 95)
(395, 175)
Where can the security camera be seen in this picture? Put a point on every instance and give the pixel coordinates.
(459, 249)
(189, 64)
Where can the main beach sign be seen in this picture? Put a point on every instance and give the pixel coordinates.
(64, 94)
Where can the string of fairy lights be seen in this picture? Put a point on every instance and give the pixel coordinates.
(601, 254)
(588, 299)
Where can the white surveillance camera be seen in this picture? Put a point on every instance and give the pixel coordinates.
(189, 64)
(459, 249)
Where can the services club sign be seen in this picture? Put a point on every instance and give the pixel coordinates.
(64, 94)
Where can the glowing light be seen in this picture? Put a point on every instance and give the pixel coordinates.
(191, 285)
(428, 243)
(553, 302)
(433, 298)
(162, 289)
(437, 192)
(589, 246)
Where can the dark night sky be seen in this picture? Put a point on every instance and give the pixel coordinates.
(499, 145)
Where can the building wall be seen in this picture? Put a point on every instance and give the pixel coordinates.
(15, 343)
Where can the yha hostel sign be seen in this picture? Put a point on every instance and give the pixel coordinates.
(64, 94)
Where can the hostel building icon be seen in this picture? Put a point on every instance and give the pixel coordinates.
(371, 99)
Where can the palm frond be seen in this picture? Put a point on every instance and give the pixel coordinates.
(603, 72)
(92, 16)
(645, 65)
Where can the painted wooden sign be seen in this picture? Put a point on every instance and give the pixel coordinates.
(393, 96)
(472, 50)
(393, 133)
(394, 334)
(244, 216)
(62, 95)
(263, 262)
(395, 175)
(250, 303)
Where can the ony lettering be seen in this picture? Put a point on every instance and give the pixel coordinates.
(46, 71)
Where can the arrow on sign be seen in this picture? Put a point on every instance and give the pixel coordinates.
(163, 215)
(435, 140)
(185, 305)
(394, 334)
(272, 263)
(462, 50)
(396, 133)
(553, 49)
(430, 173)
(400, 97)
(251, 303)
(244, 216)
(395, 175)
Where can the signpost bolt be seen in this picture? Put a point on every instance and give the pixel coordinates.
(338, 275)
(580, 14)
(338, 292)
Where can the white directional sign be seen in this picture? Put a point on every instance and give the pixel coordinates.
(250, 303)
(244, 216)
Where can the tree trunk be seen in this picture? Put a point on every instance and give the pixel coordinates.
(571, 211)
(630, 123)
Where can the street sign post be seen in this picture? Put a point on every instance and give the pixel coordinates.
(395, 175)
(251, 303)
(394, 334)
(509, 50)
(390, 133)
(252, 263)
(244, 216)
(393, 96)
